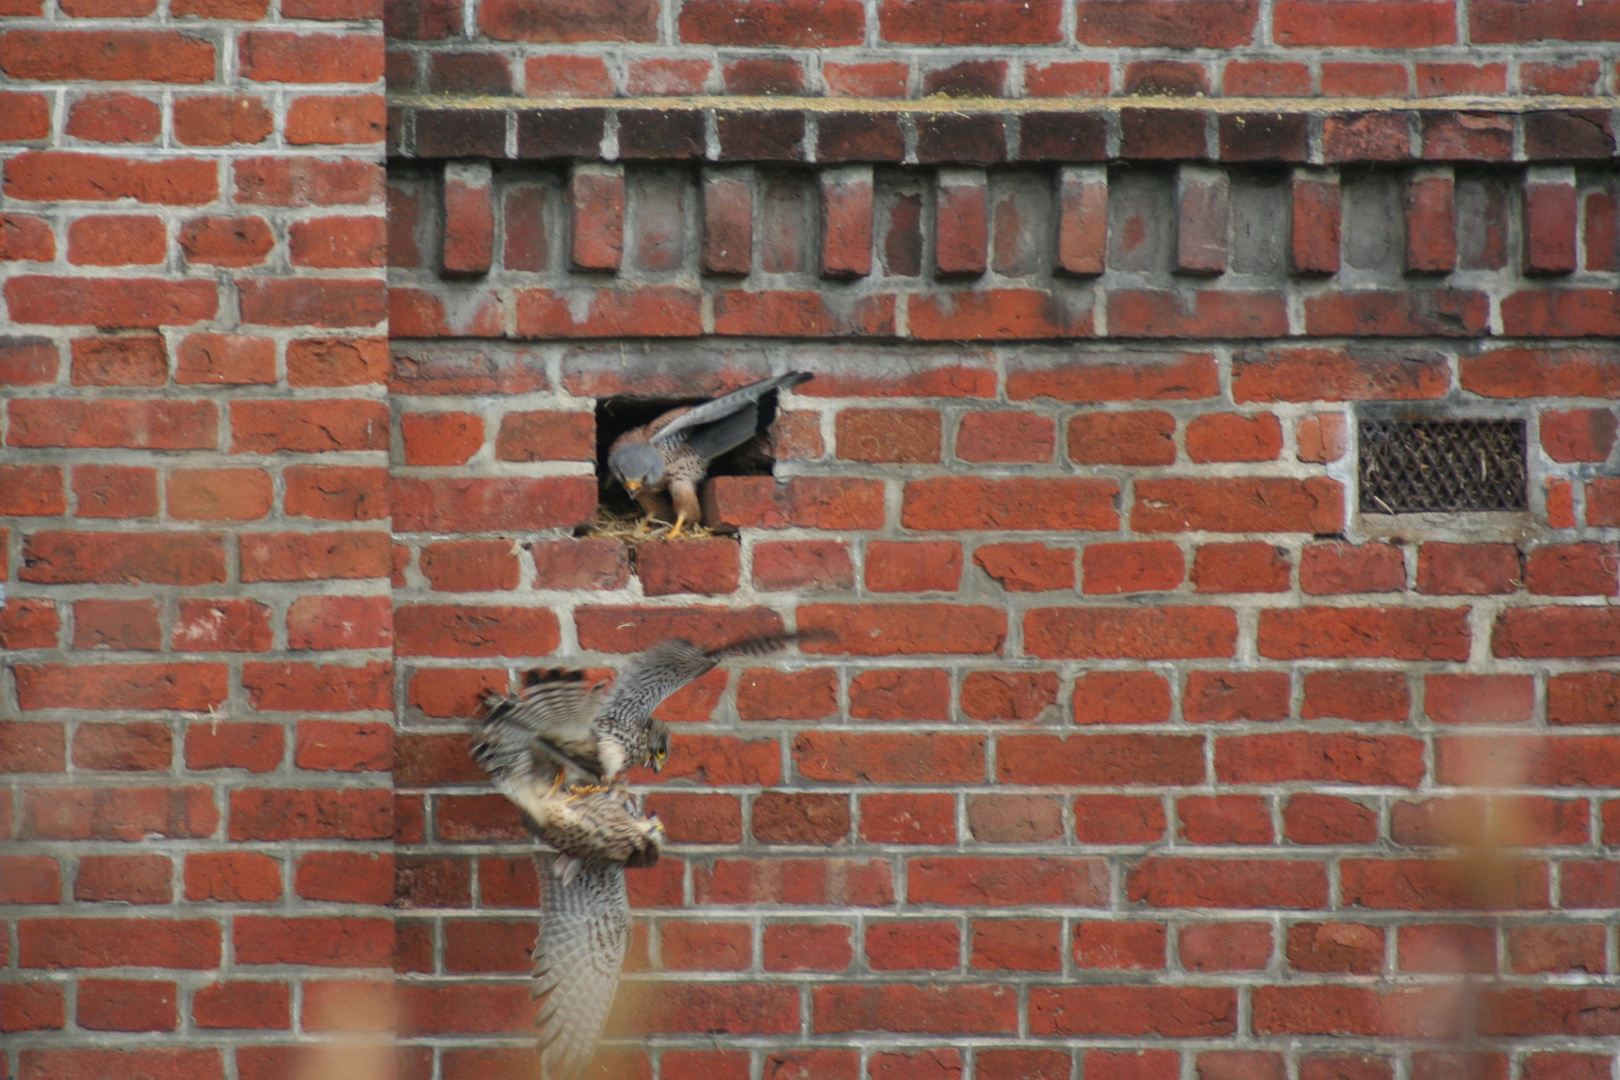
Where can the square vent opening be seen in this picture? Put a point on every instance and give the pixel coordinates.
(617, 415)
(1447, 465)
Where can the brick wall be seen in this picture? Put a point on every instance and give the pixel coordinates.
(1137, 752)
(195, 719)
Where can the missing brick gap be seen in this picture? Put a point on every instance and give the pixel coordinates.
(618, 515)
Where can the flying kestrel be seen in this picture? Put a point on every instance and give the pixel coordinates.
(672, 454)
(558, 750)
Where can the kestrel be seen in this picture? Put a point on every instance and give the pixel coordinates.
(672, 453)
(558, 749)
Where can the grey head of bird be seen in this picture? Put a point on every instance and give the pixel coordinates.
(636, 466)
(657, 743)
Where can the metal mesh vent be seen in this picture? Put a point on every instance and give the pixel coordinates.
(1410, 466)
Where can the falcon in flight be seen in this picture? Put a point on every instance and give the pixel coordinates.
(558, 749)
(672, 454)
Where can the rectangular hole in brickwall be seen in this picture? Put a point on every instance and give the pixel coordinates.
(617, 415)
(1408, 466)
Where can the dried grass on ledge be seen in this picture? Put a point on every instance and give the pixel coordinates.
(625, 527)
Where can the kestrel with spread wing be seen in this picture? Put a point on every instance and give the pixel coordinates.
(558, 750)
(671, 455)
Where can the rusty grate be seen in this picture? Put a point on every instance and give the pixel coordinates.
(1411, 466)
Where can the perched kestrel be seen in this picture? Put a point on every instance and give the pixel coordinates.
(558, 750)
(672, 454)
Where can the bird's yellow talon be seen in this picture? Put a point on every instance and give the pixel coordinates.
(680, 523)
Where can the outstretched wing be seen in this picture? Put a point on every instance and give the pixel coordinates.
(551, 717)
(727, 422)
(584, 933)
(652, 676)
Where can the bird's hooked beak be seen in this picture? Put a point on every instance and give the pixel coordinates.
(632, 486)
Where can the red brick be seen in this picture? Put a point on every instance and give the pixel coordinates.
(1014, 819)
(1264, 504)
(903, 629)
(1478, 699)
(689, 566)
(1240, 567)
(30, 879)
(805, 947)
(1119, 946)
(26, 116)
(1261, 78)
(541, 436)
(1238, 946)
(892, 759)
(1132, 1065)
(586, 563)
(127, 1005)
(107, 55)
(1591, 697)
(115, 491)
(873, 80)
(131, 746)
(913, 567)
(1129, 438)
(1025, 567)
(1397, 633)
(314, 556)
(1230, 437)
(218, 241)
(1008, 695)
(187, 944)
(1338, 375)
(222, 626)
(1245, 883)
(897, 1007)
(218, 494)
(1321, 438)
(497, 504)
(1337, 567)
(802, 565)
(900, 695)
(1085, 78)
(752, 22)
(1016, 945)
(354, 814)
(913, 945)
(174, 687)
(794, 881)
(221, 120)
(888, 435)
(908, 819)
(1468, 569)
(1578, 434)
(1224, 819)
(226, 359)
(471, 565)
(1138, 633)
(246, 1005)
(337, 362)
(766, 694)
(1235, 695)
(1573, 570)
(267, 56)
(1133, 567)
(269, 181)
(116, 240)
(1355, 695)
(106, 424)
(26, 361)
(345, 877)
(1012, 504)
(339, 942)
(1132, 1010)
(1100, 760)
(1005, 437)
(254, 747)
(31, 624)
(337, 242)
(1429, 885)
(1350, 759)
(31, 490)
(37, 1006)
(1536, 950)
(1118, 819)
